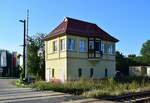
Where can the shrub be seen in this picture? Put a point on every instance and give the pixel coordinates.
(19, 83)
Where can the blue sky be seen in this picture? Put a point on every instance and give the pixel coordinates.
(127, 20)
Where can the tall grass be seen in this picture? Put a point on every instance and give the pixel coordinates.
(98, 88)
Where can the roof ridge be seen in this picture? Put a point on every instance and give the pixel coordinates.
(79, 20)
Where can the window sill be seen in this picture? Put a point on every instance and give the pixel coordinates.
(83, 51)
(63, 50)
(71, 50)
(54, 52)
(108, 54)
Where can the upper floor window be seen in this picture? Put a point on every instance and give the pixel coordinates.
(82, 45)
(103, 47)
(110, 49)
(97, 46)
(62, 44)
(91, 45)
(55, 45)
(71, 44)
(94, 47)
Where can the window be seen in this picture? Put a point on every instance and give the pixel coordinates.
(79, 72)
(106, 72)
(54, 45)
(82, 46)
(97, 46)
(103, 47)
(94, 48)
(91, 45)
(62, 44)
(71, 44)
(110, 49)
(91, 72)
(53, 72)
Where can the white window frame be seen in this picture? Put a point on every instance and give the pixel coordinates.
(103, 47)
(62, 44)
(55, 46)
(82, 46)
(110, 49)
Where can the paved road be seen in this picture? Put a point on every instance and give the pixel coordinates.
(12, 94)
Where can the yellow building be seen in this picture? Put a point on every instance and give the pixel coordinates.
(77, 49)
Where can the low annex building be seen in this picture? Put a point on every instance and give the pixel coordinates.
(78, 49)
(139, 71)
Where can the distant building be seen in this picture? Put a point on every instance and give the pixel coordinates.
(4, 63)
(9, 64)
(78, 49)
(139, 70)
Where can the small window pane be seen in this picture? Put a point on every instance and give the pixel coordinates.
(103, 47)
(80, 72)
(53, 73)
(91, 44)
(97, 46)
(82, 46)
(91, 72)
(71, 44)
(110, 49)
(106, 72)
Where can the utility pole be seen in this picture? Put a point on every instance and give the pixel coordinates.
(27, 45)
(24, 45)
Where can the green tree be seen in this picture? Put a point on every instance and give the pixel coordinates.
(121, 63)
(134, 60)
(35, 55)
(145, 52)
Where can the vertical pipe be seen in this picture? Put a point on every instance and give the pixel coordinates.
(88, 47)
(24, 45)
(94, 48)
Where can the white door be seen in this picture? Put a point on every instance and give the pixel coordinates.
(50, 74)
(62, 75)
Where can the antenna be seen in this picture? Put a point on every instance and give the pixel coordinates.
(27, 21)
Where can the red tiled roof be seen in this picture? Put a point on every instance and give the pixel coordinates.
(80, 28)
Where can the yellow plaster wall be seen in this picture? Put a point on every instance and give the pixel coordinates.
(70, 61)
(99, 68)
(55, 60)
(59, 67)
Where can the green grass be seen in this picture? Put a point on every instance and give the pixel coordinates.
(98, 88)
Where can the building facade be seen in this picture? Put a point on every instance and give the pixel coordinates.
(139, 71)
(77, 49)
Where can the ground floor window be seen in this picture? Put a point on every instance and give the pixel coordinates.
(91, 72)
(106, 72)
(53, 74)
(79, 72)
